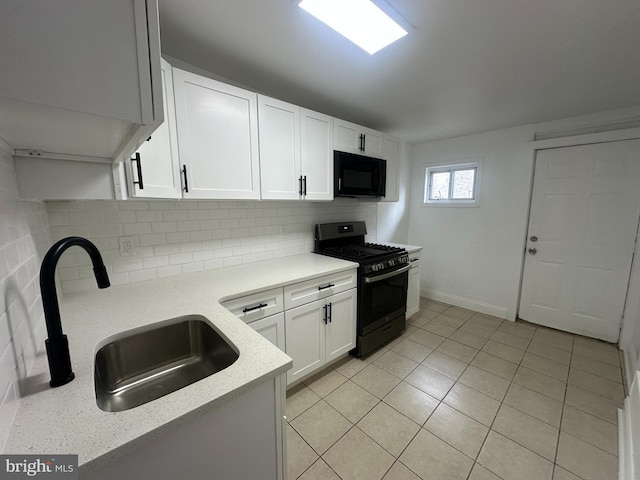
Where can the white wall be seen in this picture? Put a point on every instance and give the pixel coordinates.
(393, 217)
(630, 333)
(174, 237)
(472, 255)
(24, 236)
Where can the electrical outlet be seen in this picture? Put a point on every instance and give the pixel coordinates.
(127, 247)
(284, 234)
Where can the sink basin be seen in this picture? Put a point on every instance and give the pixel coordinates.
(157, 360)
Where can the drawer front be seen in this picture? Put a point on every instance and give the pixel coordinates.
(254, 307)
(319, 288)
(414, 258)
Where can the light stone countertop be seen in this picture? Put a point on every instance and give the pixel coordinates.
(67, 419)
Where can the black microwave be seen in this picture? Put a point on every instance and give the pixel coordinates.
(358, 175)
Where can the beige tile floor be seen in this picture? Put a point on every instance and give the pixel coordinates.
(461, 395)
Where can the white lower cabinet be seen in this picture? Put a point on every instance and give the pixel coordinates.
(306, 337)
(271, 328)
(314, 321)
(341, 329)
(413, 292)
(243, 438)
(320, 331)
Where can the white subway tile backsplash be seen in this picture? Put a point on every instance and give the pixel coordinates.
(136, 228)
(149, 216)
(142, 275)
(169, 271)
(154, 262)
(192, 267)
(174, 237)
(153, 239)
(24, 237)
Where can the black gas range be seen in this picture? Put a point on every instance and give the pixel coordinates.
(382, 281)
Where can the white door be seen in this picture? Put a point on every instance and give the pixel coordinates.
(341, 325)
(305, 339)
(279, 133)
(316, 155)
(217, 137)
(581, 238)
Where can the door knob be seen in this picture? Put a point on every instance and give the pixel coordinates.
(532, 251)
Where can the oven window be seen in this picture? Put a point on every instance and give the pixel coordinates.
(382, 298)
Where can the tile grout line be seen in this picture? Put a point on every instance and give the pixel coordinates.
(456, 380)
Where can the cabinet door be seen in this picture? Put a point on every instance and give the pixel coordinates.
(391, 153)
(352, 138)
(341, 328)
(279, 131)
(80, 78)
(217, 137)
(372, 142)
(159, 160)
(345, 137)
(305, 339)
(316, 156)
(271, 328)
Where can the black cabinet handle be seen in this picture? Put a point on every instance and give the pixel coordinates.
(136, 159)
(304, 181)
(251, 309)
(415, 259)
(324, 314)
(361, 142)
(186, 182)
(326, 286)
(330, 311)
(300, 185)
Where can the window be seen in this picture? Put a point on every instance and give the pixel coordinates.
(452, 184)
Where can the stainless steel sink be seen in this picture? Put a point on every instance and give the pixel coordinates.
(155, 361)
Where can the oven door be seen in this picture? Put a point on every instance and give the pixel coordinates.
(383, 297)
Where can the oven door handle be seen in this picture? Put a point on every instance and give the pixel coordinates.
(384, 276)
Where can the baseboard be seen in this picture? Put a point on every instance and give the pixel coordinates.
(629, 434)
(468, 303)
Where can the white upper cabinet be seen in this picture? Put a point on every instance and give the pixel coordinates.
(316, 156)
(217, 137)
(296, 154)
(155, 171)
(79, 78)
(391, 153)
(352, 138)
(279, 127)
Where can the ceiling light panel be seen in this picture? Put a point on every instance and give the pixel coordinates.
(360, 21)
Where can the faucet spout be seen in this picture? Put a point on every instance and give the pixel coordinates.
(57, 343)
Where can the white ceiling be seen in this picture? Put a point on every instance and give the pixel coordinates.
(468, 66)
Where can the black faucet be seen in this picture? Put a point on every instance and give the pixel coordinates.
(57, 343)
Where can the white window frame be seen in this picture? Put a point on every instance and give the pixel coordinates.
(451, 167)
